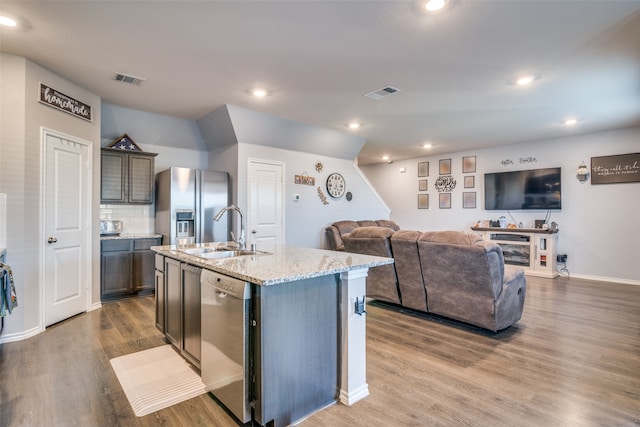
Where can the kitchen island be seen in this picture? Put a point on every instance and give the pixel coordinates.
(307, 335)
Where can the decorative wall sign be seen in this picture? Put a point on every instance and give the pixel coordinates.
(444, 200)
(422, 185)
(423, 201)
(615, 169)
(124, 142)
(423, 169)
(304, 179)
(469, 164)
(445, 167)
(62, 102)
(445, 183)
(322, 197)
(469, 181)
(469, 200)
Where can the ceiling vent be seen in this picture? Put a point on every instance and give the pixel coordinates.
(381, 93)
(125, 78)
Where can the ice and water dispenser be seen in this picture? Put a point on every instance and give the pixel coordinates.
(185, 227)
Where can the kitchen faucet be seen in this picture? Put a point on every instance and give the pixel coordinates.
(240, 241)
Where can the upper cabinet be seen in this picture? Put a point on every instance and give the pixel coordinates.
(127, 177)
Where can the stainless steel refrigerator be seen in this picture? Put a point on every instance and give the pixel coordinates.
(186, 202)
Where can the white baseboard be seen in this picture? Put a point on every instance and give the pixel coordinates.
(605, 279)
(21, 335)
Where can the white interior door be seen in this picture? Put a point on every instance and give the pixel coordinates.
(67, 189)
(265, 208)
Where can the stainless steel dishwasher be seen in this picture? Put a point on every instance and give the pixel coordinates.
(225, 341)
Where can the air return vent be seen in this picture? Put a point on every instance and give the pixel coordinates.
(381, 93)
(125, 78)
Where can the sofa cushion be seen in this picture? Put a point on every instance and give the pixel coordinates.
(345, 227)
(387, 223)
(371, 232)
(452, 237)
(367, 223)
(405, 253)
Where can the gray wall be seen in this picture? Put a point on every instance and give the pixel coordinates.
(22, 118)
(599, 227)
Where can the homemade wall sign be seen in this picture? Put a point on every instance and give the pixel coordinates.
(615, 169)
(62, 102)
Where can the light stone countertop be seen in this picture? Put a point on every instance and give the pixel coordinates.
(131, 236)
(285, 264)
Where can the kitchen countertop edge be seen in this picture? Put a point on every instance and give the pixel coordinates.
(131, 236)
(284, 264)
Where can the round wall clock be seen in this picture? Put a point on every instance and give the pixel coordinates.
(336, 185)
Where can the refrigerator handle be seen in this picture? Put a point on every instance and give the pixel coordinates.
(198, 205)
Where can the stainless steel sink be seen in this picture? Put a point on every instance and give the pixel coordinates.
(219, 252)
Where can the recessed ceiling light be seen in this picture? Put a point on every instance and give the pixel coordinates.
(570, 122)
(427, 145)
(5, 20)
(259, 93)
(434, 5)
(385, 158)
(525, 80)
(354, 125)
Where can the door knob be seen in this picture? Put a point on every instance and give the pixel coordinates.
(52, 240)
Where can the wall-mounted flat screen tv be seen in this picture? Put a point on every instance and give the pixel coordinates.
(526, 189)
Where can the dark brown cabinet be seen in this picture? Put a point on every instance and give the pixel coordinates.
(173, 302)
(127, 177)
(190, 348)
(127, 267)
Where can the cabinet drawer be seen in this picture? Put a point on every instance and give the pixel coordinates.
(116, 245)
(145, 244)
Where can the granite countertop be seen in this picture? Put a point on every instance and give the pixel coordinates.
(284, 264)
(130, 236)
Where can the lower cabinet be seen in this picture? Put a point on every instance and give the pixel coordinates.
(127, 267)
(160, 291)
(191, 313)
(178, 308)
(173, 302)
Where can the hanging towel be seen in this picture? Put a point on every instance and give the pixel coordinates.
(8, 299)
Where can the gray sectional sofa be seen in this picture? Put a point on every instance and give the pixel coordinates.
(449, 273)
(333, 234)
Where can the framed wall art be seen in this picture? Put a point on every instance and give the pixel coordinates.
(445, 167)
(423, 201)
(469, 200)
(423, 169)
(469, 164)
(444, 200)
(469, 181)
(422, 185)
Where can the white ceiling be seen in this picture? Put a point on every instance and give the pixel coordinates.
(318, 58)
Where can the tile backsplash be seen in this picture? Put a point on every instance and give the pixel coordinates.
(136, 219)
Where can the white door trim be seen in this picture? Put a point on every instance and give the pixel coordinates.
(44, 132)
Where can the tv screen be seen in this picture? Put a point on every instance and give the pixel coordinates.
(527, 189)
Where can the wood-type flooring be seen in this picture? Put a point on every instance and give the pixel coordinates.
(572, 360)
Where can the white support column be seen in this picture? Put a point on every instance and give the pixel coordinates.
(353, 382)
